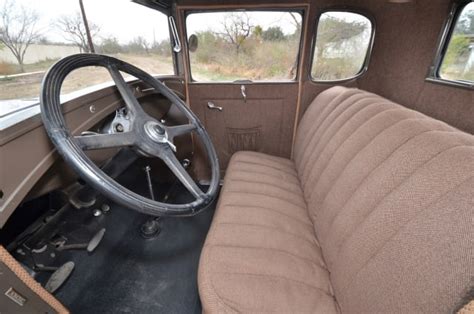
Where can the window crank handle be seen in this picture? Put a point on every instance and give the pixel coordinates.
(212, 106)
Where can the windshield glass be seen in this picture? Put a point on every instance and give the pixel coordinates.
(35, 34)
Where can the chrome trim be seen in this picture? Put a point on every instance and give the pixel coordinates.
(212, 106)
(242, 91)
(174, 32)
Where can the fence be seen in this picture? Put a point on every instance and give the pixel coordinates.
(36, 53)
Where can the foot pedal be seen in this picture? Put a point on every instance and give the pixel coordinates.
(59, 277)
(89, 247)
(94, 242)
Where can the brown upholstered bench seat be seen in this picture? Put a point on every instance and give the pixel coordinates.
(375, 213)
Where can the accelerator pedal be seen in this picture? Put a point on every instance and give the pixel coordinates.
(96, 239)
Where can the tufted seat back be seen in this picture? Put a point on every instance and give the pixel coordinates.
(390, 193)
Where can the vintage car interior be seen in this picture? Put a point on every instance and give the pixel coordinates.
(316, 186)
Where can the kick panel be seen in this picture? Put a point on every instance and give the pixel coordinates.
(252, 125)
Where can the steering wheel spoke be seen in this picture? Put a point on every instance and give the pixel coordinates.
(101, 141)
(127, 94)
(145, 133)
(174, 131)
(183, 176)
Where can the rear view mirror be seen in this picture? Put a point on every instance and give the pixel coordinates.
(193, 43)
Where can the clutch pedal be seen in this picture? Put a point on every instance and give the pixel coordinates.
(59, 277)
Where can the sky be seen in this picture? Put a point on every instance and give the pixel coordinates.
(125, 20)
(120, 18)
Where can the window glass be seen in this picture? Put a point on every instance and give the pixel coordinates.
(244, 45)
(458, 61)
(342, 43)
(35, 34)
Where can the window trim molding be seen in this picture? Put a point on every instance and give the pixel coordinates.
(300, 9)
(442, 46)
(365, 65)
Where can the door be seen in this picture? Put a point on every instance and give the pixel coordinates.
(242, 79)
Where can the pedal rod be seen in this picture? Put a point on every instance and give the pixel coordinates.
(148, 179)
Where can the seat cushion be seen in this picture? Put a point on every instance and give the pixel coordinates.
(373, 215)
(261, 254)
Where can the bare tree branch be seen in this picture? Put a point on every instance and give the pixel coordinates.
(296, 21)
(237, 27)
(18, 29)
(72, 27)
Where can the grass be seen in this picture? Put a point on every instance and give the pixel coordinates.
(9, 68)
(256, 60)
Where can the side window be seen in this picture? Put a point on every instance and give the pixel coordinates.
(458, 60)
(244, 45)
(341, 47)
(35, 34)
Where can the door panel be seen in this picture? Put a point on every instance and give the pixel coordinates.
(263, 122)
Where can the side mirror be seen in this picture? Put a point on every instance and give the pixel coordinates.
(193, 43)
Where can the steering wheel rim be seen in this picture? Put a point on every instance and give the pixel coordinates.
(151, 138)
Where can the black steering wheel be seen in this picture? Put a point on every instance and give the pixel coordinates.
(146, 135)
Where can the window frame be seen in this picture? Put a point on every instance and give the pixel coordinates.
(302, 10)
(442, 46)
(365, 65)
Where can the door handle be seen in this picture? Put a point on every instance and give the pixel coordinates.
(212, 106)
(244, 94)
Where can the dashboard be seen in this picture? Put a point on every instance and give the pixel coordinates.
(30, 166)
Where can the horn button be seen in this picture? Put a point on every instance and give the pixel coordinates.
(156, 132)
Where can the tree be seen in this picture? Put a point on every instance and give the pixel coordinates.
(336, 32)
(237, 27)
(18, 29)
(458, 46)
(273, 33)
(162, 48)
(138, 45)
(465, 24)
(74, 31)
(110, 45)
(257, 31)
(296, 21)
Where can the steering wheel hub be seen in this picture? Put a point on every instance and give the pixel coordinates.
(156, 132)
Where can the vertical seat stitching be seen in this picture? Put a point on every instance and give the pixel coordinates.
(377, 115)
(315, 140)
(329, 106)
(396, 188)
(365, 179)
(379, 249)
(344, 105)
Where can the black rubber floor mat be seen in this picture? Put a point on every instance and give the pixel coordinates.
(127, 274)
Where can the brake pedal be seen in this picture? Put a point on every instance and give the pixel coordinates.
(59, 277)
(89, 247)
